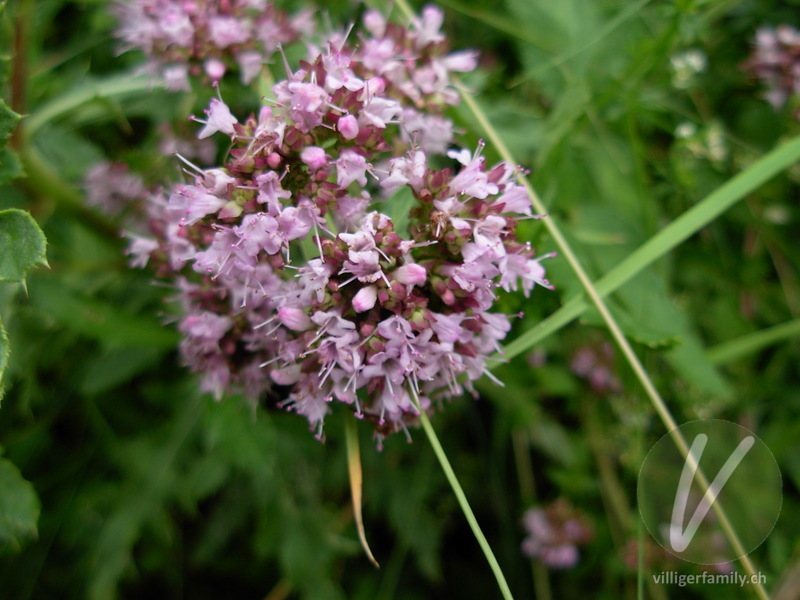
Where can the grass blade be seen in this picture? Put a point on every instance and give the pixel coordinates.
(356, 481)
(752, 342)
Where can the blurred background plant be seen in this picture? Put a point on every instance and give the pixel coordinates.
(627, 114)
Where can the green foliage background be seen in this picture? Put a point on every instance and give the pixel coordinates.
(148, 489)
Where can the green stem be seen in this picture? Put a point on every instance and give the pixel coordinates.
(527, 487)
(462, 499)
(613, 327)
(19, 65)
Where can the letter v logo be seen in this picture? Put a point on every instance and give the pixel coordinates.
(680, 538)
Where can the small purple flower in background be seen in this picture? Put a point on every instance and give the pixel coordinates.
(554, 534)
(776, 62)
(112, 187)
(596, 364)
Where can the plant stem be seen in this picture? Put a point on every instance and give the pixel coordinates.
(19, 66)
(462, 499)
(527, 487)
(622, 342)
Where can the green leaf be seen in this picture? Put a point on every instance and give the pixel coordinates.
(398, 207)
(66, 152)
(10, 166)
(8, 122)
(19, 509)
(22, 245)
(85, 92)
(96, 319)
(114, 368)
(690, 361)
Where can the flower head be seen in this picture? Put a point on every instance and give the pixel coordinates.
(291, 270)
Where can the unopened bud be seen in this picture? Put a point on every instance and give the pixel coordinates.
(348, 127)
(294, 319)
(410, 274)
(314, 157)
(365, 298)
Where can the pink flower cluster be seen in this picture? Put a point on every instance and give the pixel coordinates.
(776, 62)
(111, 187)
(188, 38)
(327, 255)
(554, 534)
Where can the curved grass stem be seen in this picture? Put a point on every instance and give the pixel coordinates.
(596, 299)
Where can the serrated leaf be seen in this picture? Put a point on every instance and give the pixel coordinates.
(8, 122)
(22, 245)
(19, 509)
(10, 166)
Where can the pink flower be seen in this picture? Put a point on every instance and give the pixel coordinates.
(288, 247)
(379, 112)
(226, 30)
(219, 119)
(250, 64)
(351, 166)
(194, 203)
(554, 533)
(428, 26)
(140, 249)
(259, 232)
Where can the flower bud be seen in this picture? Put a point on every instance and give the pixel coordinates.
(294, 319)
(365, 298)
(314, 157)
(215, 69)
(348, 127)
(410, 274)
